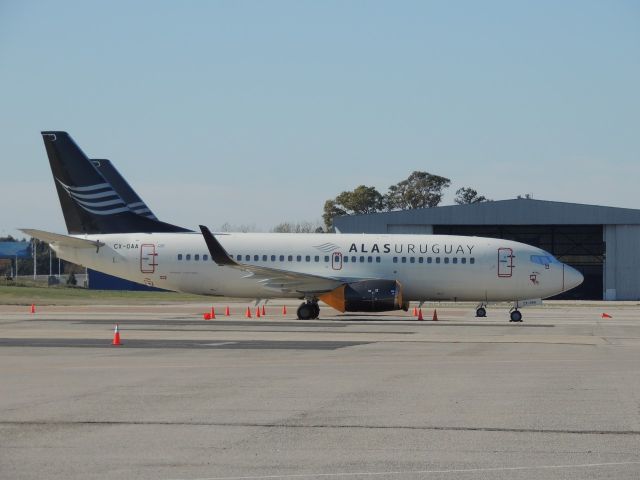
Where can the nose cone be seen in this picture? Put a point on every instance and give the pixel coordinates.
(572, 277)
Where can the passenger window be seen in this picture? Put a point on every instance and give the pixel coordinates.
(404, 259)
(307, 258)
(188, 256)
(463, 260)
(437, 259)
(282, 258)
(239, 257)
(179, 256)
(326, 258)
(361, 259)
(256, 258)
(316, 258)
(299, 258)
(247, 257)
(345, 259)
(428, 259)
(454, 260)
(273, 258)
(420, 260)
(412, 259)
(377, 259)
(472, 260)
(353, 259)
(196, 256)
(264, 258)
(446, 259)
(395, 259)
(369, 259)
(205, 257)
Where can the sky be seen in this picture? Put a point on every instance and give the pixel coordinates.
(255, 113)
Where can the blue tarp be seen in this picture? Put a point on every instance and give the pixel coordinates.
(13, 249)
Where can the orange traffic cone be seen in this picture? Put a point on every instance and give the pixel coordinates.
(248, 314)
(257, 312)
(116, 336)
(606, 315)
(435, 315)
(226, 311)
(284, 310)
(206, 316)
(415, 311)
(263, 313)
(33, 308)
(213, 314)
(420, 315)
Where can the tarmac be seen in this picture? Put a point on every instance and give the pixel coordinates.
(346, 396)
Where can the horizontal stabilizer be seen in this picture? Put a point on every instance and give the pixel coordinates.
(59, 239)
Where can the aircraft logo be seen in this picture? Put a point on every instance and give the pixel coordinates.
(99, 199)
(327, 247)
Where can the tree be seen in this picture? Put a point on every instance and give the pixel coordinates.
(361, 199)
(298, 227)
(467, 195)
(419, 190)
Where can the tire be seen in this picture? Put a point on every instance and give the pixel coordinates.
(316, 310)
(305, 311)
(481, 312)
(516, 316)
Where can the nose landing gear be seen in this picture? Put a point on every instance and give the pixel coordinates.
(481, 311)
(309, 310)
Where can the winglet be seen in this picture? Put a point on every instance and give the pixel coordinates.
(218, 253)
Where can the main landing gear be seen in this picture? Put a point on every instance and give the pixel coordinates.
(515, 315)
(308, 310)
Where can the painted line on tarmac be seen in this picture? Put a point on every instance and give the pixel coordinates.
(180, 344)
(421, 472)
(443, 428)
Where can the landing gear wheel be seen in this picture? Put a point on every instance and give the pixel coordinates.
(481, 312)
(306, 311)
(316, 310)
(516, 316)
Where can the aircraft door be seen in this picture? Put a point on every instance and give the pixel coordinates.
(148, 258)
(505, 262)
(336, 261)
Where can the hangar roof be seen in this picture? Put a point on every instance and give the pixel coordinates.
(520, 211)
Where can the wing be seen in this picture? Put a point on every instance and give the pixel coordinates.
(273, 278)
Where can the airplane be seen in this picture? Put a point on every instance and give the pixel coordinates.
(110, 229)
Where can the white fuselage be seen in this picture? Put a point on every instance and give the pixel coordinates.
(429, 267)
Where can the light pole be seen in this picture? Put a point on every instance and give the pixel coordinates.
(34, 258)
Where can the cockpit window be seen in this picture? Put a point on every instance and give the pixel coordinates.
(544, 259)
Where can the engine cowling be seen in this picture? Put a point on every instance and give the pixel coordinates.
(367, 296)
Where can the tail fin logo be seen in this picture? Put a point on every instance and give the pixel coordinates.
(99, 199)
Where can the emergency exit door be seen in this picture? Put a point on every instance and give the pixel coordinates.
(336, 261)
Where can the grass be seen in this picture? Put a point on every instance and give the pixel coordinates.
(26, 295)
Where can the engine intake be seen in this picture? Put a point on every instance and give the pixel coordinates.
(367, 296)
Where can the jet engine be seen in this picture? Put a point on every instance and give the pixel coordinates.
(367, 296)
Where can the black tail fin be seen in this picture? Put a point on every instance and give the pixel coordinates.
(122, 188)
(90, 203)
